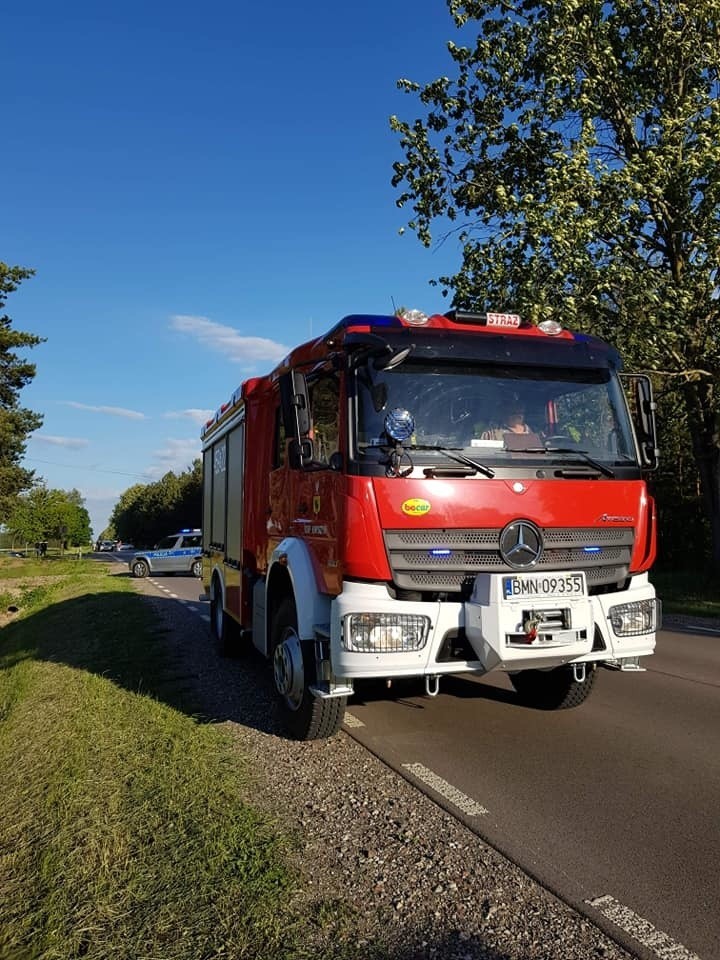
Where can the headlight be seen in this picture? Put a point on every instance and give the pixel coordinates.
(632, 619)
(385, 632)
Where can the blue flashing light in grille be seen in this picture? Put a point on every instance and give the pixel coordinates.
(592, 549)
(440, 553)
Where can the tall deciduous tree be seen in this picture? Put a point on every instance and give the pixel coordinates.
(575, 154)
(16, 422)
(45, 514)
(146, 512)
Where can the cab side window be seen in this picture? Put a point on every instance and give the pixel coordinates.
(325, 416)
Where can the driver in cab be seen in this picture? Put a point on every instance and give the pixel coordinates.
(514, 423)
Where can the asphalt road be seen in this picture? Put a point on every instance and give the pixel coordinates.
(619, 798)
(614, 806)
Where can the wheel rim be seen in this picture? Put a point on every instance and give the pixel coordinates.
(140, 569)
(288, 670)
(197, 568)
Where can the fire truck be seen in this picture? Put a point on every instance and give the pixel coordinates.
(412, 496)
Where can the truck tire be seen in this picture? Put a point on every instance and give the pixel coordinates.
(140, 568)
(553, 689)
(229, 639)
(304, 716)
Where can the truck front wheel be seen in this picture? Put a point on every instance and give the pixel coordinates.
(304, 716)
(553, 689)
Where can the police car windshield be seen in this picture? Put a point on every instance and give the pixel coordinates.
(480, 408)
(167, 543)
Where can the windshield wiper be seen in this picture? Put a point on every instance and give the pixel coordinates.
(579, 454)
(458, 457)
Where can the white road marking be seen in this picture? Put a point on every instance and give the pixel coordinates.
(641, 930)
(445, 789)
(351, 721)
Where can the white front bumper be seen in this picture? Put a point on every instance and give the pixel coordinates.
(488, 625)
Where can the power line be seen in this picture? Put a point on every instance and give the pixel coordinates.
(75, 466)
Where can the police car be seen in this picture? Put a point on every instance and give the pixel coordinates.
(179, 553)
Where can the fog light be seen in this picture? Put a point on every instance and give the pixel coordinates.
(385, 632)
(633, 619)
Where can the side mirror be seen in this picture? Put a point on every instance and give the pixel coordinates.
(302, 457)
(295, 404)
(301, 453)
(643, 408)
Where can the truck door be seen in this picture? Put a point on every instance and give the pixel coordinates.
(312, 481)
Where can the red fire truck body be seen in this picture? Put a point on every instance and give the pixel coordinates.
(369, 513)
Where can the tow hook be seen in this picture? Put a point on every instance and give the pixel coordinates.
(579, 672)
(432, 685)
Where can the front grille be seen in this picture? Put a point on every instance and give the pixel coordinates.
(415, 566)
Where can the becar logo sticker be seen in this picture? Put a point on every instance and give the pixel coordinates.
(416, 507)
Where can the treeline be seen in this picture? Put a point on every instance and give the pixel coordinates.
(146, 512)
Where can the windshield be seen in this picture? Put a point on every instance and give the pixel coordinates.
(494, 413)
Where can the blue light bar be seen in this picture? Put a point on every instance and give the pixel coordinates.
(370, 320)
(592, 549)
(438, 552)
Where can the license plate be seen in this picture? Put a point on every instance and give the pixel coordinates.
(540, 585)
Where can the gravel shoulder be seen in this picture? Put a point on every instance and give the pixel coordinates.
(385, 872)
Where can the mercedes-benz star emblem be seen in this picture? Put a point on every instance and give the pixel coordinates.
(521, 544)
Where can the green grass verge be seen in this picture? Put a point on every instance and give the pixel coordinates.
(124, 830)
(687, 593)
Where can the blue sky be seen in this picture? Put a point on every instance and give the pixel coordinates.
(199, 187)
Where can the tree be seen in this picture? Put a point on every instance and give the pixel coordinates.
(45, 514)
(575, 157)
(73, 518)
(146, 512)
(16, 422)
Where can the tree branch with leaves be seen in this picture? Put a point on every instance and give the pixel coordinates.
(577, 148)
(16, 422)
